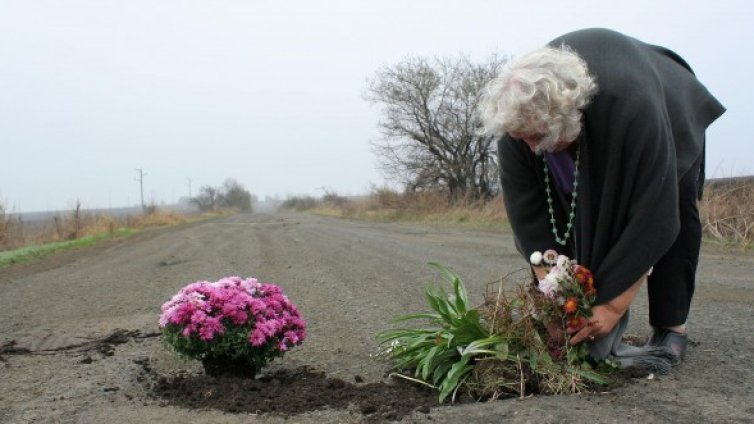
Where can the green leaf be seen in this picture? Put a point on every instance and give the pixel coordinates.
(432, 300)
(462, 299)
(457, 303)
(446, 272)
(452, 380)
(408, 317)
(389, 336)
(546, 358)
(444, 310)
(572, 356)
(481, 346)
(502, 349)
(427, 364)
(443, 367)
(589, 375)
(533, 360)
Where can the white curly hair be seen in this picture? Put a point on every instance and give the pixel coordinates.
(540, 93)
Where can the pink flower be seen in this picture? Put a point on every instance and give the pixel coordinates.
(204, 310)
(210, 327)
(257, 338)
(550, 257)
(292, 336)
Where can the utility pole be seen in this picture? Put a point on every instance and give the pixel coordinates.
(189, 181)
(140, 179)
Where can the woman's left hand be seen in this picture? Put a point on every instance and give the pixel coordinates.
(604, 318)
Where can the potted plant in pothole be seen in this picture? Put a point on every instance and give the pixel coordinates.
(234, 326)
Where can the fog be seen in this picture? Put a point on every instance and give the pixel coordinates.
(271, 93)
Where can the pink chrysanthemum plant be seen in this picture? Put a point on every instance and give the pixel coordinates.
(232, 320)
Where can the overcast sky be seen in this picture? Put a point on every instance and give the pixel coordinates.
(270, 92)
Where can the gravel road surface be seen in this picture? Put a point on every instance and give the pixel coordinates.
(79, 329)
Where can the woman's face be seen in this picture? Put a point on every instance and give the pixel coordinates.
(534, 141)
(531, 140)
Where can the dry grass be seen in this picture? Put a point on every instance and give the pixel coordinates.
(11, 229)
(158, 219)
(530, 368)
(78, 224)
(428, 207)
(727, 211)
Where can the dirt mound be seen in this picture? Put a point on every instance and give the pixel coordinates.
(291, 392)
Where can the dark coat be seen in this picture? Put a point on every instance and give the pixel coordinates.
(641, 133)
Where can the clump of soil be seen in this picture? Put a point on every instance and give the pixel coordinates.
(291, 392)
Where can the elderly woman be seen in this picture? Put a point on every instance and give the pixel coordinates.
(602, 159)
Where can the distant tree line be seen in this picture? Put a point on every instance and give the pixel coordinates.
(231, 195)
(430, 127)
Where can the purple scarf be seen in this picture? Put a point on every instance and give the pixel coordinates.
(562, 168)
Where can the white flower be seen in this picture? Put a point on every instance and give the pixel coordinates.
(558, 274)
(536, 258)
(549, 285)
(562, 261)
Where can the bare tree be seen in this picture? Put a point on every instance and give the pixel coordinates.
(234, 195)
(231, 195)
(207, 198)
(430, 125)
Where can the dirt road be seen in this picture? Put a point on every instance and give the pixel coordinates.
(348, 279)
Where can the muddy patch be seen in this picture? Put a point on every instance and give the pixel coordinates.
(291, 392)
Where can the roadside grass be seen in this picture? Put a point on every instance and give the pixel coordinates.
(25, 254)
(469, 218)
(726, 210)
(22, 243)
(384, 205)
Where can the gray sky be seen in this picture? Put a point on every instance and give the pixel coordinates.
(270, 92)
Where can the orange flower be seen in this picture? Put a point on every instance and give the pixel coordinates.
(576, 323)
(583, 275)
(571, 305)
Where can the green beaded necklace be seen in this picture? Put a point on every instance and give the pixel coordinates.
(572, 215)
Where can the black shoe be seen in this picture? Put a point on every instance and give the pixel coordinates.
(674, 342)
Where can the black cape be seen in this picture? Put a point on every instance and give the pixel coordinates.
(641, 133)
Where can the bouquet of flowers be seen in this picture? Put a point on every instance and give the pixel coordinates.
(230, 323)
(567, 296)
(512, 344)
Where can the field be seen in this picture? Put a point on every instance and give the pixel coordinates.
(80, 341)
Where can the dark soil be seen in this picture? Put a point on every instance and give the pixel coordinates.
(291, 392)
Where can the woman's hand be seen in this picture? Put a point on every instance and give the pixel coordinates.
(604, 318)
